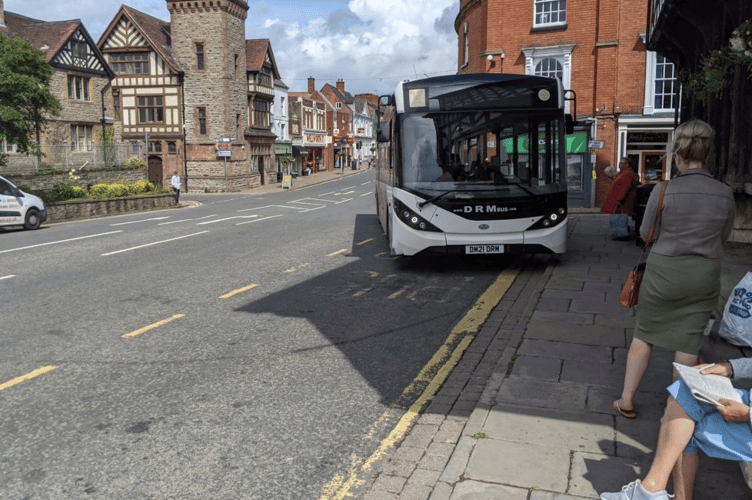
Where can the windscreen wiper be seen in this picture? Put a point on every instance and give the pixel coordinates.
(434, 198)
(521, 186)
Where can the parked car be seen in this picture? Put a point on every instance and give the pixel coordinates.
(18, 208)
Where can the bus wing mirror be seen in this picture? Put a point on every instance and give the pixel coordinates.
(385, 132)
(569, 123)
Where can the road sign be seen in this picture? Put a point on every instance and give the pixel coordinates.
(226, 153)
(595, 144)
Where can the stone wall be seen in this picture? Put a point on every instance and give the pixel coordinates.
(77, 209)
(47, 181)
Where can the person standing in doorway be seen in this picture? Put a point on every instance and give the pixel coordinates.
(175, 183)
(620, 198)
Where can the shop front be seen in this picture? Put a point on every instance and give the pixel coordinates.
(315, 144)
(284, 158)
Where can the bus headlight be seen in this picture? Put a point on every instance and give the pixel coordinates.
(551, 219)
(412, 219)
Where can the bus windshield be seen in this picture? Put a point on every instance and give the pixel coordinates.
(481, 153)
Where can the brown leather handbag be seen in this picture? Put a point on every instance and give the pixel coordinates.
(630, 292)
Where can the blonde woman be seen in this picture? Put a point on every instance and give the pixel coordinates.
(683, 275)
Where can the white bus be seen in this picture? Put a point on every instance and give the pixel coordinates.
(456, 171)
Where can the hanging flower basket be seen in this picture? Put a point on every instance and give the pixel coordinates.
(718, 69)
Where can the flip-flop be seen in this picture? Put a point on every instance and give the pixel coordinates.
(624, 413)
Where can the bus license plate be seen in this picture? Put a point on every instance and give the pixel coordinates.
(484, 249)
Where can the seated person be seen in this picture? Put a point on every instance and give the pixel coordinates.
(689, 426)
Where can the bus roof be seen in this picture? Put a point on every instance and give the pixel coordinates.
(479, 91)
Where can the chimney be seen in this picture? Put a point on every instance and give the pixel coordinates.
(311, 83)
(2, 14)
(341, 85)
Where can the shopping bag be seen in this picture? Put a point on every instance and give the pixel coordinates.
(631, 290)
(736, 323)
(618, 224)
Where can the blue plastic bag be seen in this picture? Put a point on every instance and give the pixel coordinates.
(618, 224)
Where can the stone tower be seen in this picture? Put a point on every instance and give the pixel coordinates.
(208, 43)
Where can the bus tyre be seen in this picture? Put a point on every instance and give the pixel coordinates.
(32, 220)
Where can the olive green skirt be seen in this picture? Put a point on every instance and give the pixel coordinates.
(677, 295)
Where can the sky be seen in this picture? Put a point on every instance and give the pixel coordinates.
(370, 44)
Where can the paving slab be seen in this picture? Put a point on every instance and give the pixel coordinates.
(543, 427)
(587, 372)
(537, 367)
(566, 351)
(593, 474)
(476, 490)
(601, 303)
(519, 465)
(542, 394)
(650, 405)
(583, 333)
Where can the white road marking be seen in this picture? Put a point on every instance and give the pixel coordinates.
(185, 220)
(258, 220)
(141, 220)
(61, 241)
(7, 277)
(226, 218)
(152, 244)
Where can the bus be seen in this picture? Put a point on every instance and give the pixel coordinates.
(473, 164)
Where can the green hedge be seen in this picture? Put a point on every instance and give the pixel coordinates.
(65, 192)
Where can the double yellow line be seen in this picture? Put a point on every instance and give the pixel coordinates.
(434, 374)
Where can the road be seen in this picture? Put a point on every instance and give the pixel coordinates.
(252, 347)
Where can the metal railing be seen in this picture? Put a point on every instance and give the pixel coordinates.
(60, 156)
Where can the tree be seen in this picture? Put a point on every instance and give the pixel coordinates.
(25, 98)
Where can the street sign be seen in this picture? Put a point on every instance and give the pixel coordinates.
(595, 144)
(226, 153)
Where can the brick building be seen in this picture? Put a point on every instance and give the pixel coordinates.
(626, 95)
(80, 78)
(196, 92)
(340, 122)
(311, 127)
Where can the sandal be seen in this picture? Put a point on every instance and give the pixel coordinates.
(622, 412)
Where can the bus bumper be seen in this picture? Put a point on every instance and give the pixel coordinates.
(409, 241)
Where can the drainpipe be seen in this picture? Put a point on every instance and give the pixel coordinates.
(104, 120)
(181, 79)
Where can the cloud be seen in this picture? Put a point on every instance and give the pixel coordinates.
(371, 45)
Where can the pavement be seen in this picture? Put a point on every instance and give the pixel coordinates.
(526, 412)
(303, 181)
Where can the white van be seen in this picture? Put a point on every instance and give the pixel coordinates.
(18, 208)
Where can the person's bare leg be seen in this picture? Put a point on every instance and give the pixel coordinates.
(685, 472)
(685, 359)
(638, 358)
(676, 431)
